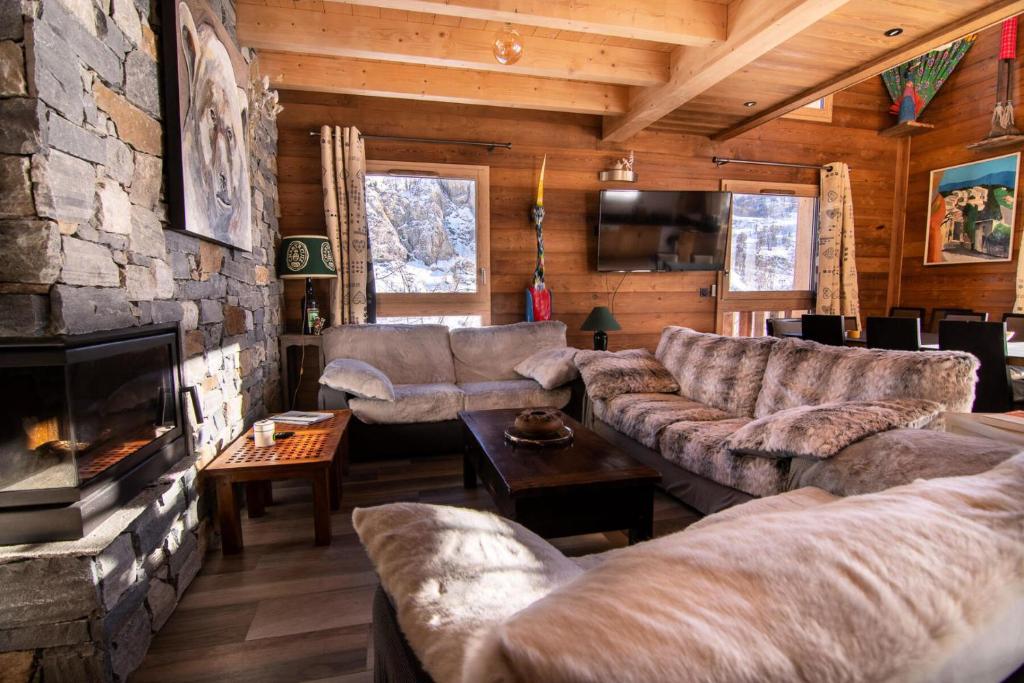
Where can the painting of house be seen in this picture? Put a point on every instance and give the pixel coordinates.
(971, 212)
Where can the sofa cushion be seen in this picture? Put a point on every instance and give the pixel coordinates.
(413, 403)
(643, 416)
(407, 354)
(357, 378)
(452, 572)
(805, 373)
(551, 368)
(634, 371)
(513, 393)
(723, 372)
(484, 354)
(899, 457)
(700, 447)
(889, 586)
(821, 431)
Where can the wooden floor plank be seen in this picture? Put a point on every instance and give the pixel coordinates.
(286, 610)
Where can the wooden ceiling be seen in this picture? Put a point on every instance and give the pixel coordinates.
(686, 66)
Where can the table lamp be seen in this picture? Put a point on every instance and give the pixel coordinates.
(600, 320)
(306, 256)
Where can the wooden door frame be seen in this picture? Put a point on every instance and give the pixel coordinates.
(478, 303)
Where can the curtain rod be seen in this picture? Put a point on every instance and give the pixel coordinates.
(722, 161)
(491, 146)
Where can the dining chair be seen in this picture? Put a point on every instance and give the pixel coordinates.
(824, 329)
(968, 317)
(784, 327)
(900, 334)
(987, 342)
(940, 314)
(1015, 323)
(906, 312)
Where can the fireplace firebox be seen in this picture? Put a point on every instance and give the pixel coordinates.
(86, 422)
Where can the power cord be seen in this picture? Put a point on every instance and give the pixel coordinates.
(611, 300)
(298, 380)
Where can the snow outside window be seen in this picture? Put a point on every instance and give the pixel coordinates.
(772, 243)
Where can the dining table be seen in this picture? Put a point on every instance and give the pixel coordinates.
(930, 342)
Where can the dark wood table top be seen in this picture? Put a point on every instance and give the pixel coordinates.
(310, 446)
(590, 460)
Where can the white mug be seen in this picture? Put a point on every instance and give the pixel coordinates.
(264, 433)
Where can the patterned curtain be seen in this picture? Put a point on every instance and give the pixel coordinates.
(1018, 301)
(343, 171)
(927, 72)
(837, 256)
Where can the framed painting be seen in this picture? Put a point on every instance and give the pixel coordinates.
(205, 82)
(971, 212)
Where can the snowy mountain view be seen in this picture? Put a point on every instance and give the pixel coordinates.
(422, 233)
(764, 243)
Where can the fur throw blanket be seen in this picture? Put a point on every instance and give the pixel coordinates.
(891, 586)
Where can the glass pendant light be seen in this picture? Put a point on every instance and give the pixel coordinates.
(508, 45)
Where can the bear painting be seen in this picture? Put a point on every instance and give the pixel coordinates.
(208, 180)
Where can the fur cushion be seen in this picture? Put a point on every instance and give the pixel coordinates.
(643, 416)
(700, 447)
(413, 403)
(488, 354)
(634, 371)
(803, 373)
(513, 393)
(452, 572)
(824, 430)
(550, 368)
(357, 378)
(891, 586)
(722, 372)
(899, 457)
(407, 354)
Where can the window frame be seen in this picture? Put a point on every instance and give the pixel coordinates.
(784, 300)
(815, 114)
(391, 305)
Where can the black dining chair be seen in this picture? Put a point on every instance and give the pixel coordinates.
(783, 327)
(975, 317)
(906, 312)
(900, 334)
(824, 329)
(939, 314)
(987, 342)
(1015, 323)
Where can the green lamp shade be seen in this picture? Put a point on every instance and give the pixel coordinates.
(600, 319)
(302, 256)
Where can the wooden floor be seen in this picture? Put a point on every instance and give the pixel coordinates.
(285, 610)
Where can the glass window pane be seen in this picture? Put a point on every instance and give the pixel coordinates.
(772, 243)
(451, 321)
(422, 233)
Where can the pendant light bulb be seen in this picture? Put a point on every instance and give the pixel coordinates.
(508, 45)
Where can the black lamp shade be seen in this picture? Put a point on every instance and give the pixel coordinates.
(305, 256)
(600, 319)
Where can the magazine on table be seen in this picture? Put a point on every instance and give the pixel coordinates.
(301, 417)
(1013, 420)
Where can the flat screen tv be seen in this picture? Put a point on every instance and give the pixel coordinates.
(662, 231)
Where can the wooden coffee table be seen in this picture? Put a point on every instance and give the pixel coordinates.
(317, 453)
(587, 487)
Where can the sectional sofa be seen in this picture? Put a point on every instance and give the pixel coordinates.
(725, 383)
(436, 373)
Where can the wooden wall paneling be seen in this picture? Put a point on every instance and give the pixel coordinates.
(961, 113)
(645, 302)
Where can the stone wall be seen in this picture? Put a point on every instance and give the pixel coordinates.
(83, 247)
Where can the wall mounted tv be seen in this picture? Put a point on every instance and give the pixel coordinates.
(662, 231)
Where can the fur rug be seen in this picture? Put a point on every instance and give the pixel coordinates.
(891, 586)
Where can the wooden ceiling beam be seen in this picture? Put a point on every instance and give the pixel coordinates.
(989, 16)
(317, 33)
(678, 22)
(344, 75)
(755, 28)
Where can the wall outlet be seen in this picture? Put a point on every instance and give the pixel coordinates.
(704, 292)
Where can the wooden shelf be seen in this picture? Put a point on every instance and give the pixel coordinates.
(906, 129)
(996, 143)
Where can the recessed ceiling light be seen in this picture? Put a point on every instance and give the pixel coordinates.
(750, 103)
(893, 32)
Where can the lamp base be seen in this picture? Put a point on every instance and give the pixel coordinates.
(600, 341)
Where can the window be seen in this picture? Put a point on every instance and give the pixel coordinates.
(429, 240)
(819, 110)
(770, 269)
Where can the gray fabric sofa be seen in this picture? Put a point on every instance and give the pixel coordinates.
(725, 382)
(436, 373)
